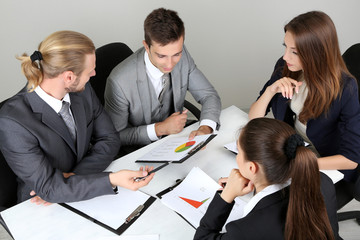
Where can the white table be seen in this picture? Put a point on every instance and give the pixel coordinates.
(29, 221)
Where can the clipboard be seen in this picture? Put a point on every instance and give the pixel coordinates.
(124, 224)
(162, 152)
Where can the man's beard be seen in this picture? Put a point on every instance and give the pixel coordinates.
(74, 86)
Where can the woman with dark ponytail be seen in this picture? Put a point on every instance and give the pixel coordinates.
(284, 176)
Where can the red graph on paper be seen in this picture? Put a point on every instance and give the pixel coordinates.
(194, 203)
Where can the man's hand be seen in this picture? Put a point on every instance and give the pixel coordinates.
(127, 178)
(67, 175)
(202, 130)
(38, 200)
(175, 123)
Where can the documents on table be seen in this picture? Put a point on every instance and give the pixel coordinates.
(113, 212)
(231, 147)
(193, 195)
(176, 149)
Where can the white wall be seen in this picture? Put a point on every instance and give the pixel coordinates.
(234, 42)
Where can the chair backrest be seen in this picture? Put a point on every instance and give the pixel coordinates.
(352, 60)
(8, 183)
(107, 57)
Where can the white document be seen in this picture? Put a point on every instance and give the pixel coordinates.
(192, 197)
(112, 210)
(231, 147)
(174, 149)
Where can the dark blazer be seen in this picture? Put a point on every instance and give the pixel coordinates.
(37, 146)
(338, 132)
(265, 221)
(128, 97)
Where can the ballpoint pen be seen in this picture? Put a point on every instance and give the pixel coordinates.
(152, 171)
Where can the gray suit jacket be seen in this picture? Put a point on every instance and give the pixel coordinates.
(128, 99)
(37, 146)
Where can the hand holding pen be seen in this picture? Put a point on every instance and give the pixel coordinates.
(127, 178)
(152, 171)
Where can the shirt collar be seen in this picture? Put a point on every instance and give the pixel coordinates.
(153, 71)
(54, 103)
(260, 195)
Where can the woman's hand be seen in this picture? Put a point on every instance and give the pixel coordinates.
(285, 86)
(236, 185)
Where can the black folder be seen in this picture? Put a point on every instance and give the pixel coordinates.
(189, 154)
(128, 222)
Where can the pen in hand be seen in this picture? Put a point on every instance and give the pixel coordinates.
(152, 171)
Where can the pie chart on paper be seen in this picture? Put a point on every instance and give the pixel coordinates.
(185, 146)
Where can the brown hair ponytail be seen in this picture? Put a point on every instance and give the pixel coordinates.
(275, 146)
(306, 214)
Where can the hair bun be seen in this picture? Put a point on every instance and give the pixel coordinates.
(291, 145)
(36, 56)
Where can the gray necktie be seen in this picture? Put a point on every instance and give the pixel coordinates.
(166, 83)
(68, 119)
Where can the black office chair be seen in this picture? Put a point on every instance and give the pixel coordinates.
(8, 183)
(108, 57)
(346, 191)
(352, 60)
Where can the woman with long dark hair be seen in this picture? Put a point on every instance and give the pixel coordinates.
(284, 176)
(312, 90)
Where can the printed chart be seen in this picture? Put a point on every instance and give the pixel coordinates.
(173, 149)
(185, 146)
(192, 197)
(194, 203)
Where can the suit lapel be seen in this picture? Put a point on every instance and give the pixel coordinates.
(143, 87)
(50, 118)
(80, 122)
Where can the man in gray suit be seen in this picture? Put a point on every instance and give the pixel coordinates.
(57, 151)
(143, 104)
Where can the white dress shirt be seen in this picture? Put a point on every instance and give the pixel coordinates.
(54, 103)
(260, 195)
(155, 76)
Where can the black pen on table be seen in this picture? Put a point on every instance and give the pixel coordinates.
(152, 171)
